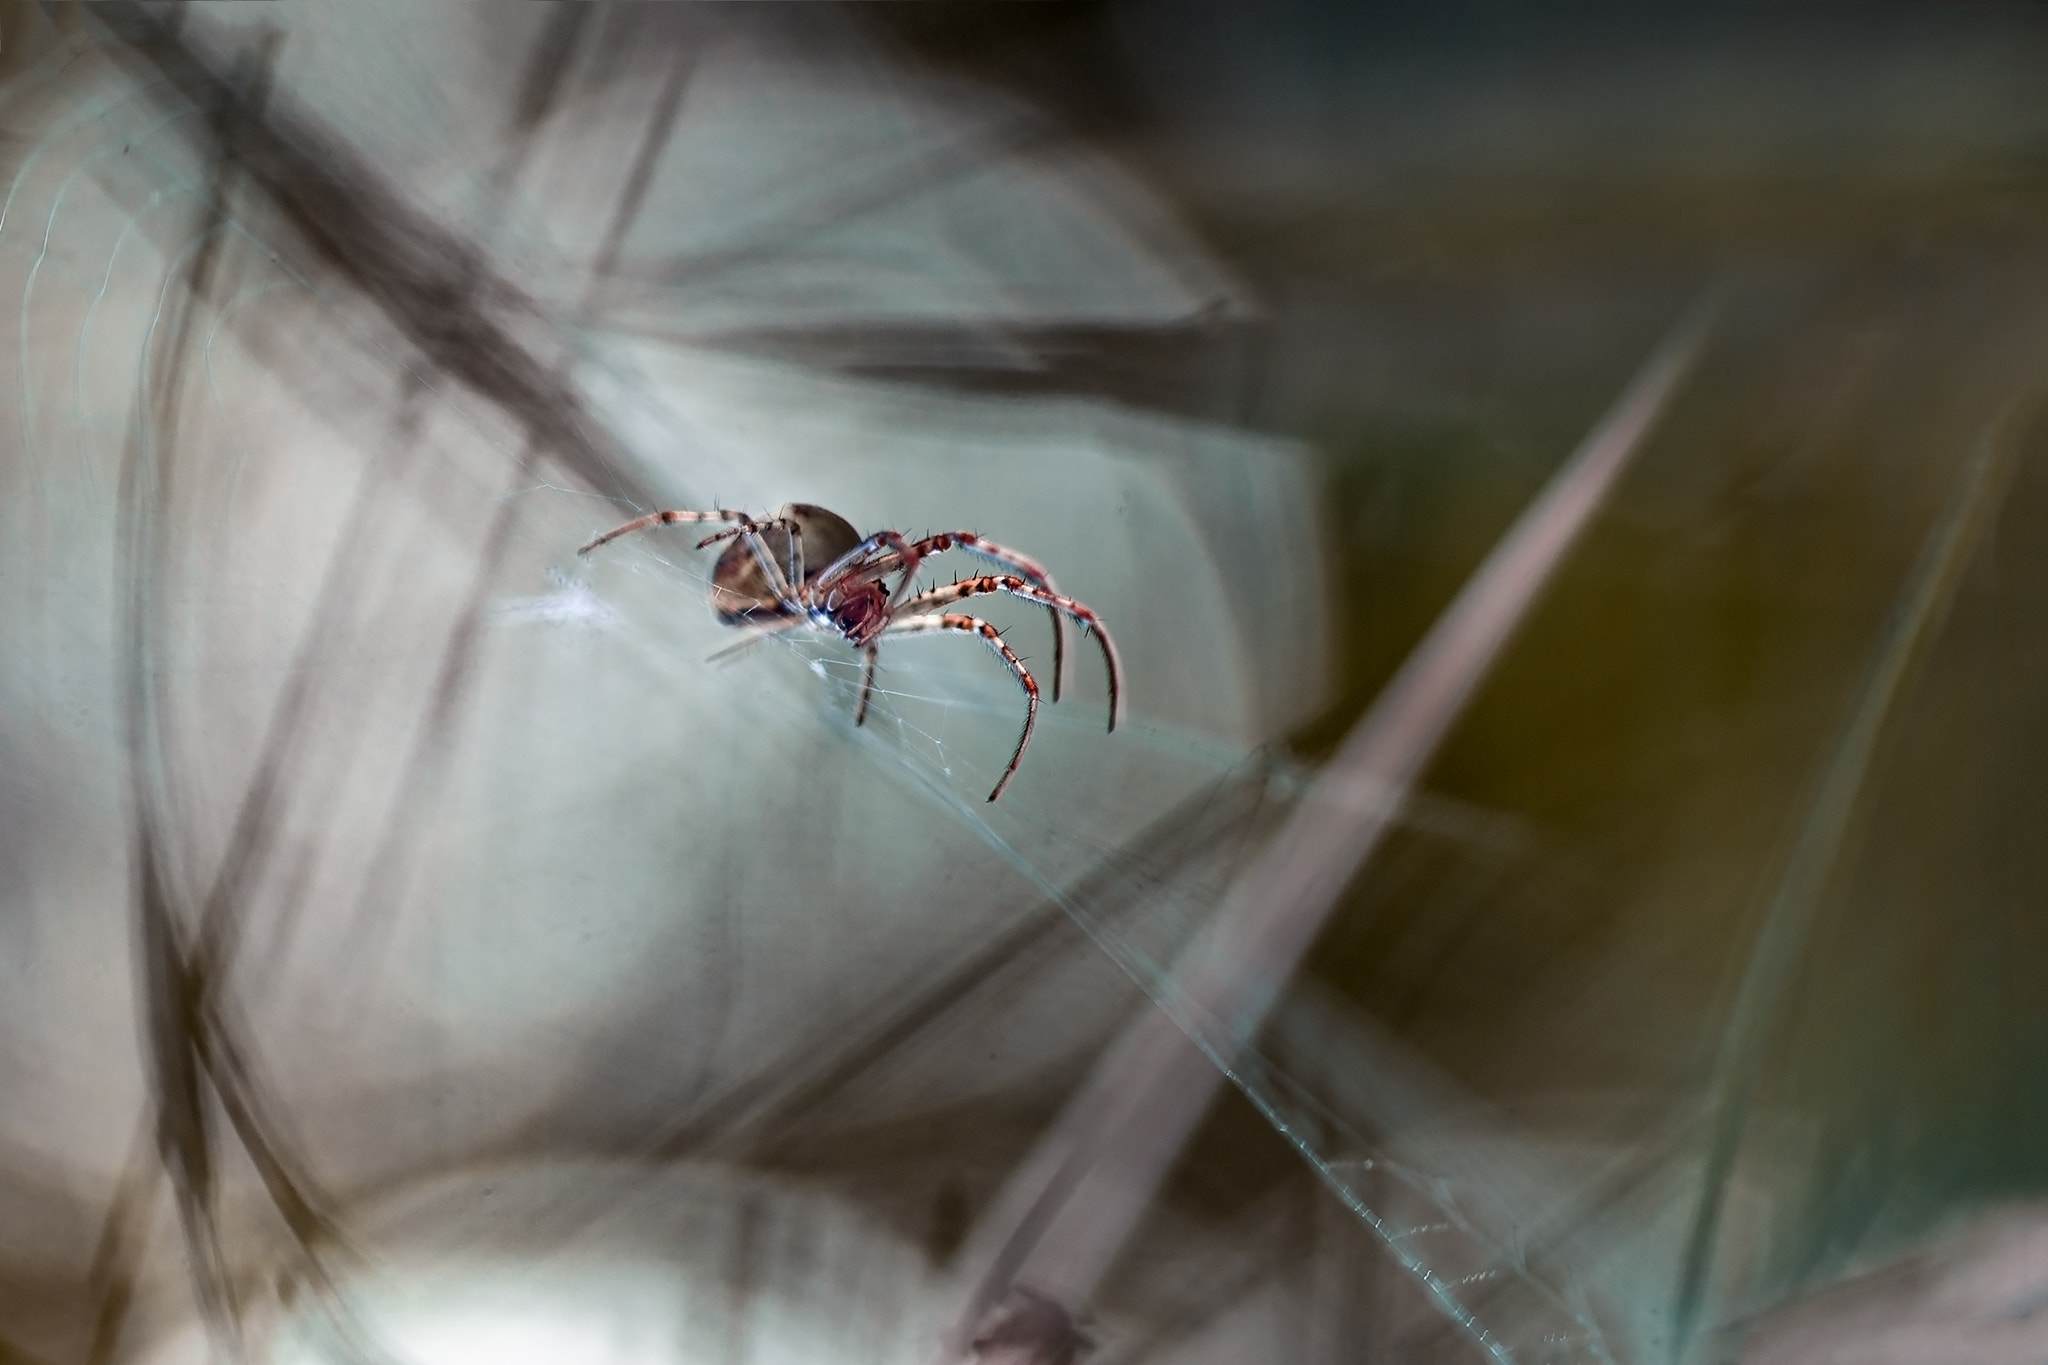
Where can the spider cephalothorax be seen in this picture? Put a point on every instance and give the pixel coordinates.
(807, 568)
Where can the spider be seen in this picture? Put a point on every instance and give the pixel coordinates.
(806, 568)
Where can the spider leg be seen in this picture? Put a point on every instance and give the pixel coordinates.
(867, 686)
(1025, 567)
(669, 519)
(970, 625)
(785, 581)
(789, 592)
(746, 528)
(1052, 601)
(850, 564)
(792, 573)
(755, 636)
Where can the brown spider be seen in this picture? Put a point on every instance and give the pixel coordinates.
(765, 578)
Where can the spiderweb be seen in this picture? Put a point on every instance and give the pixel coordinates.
(111, 169)
(1489, 1283)
(945, 732)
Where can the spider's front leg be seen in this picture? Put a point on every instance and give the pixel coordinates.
(855, 567)
(1058, 605)
(1025, 567)
(971, 625)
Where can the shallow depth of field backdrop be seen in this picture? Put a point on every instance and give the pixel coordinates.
(419, 943)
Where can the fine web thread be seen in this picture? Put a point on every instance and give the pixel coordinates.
(1485, 1285)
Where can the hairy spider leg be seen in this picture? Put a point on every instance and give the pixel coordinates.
(971, 625)
(795, 571)
(755, 635)
(791, 526)
(789, 588)
(668, 519)
(1031, 592)
(910, 555)
(788, 591)
(747, 527)
(1022, 565)
(867, 684)
(793, 577)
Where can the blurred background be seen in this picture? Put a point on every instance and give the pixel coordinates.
(415, 945)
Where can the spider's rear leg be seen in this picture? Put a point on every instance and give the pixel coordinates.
(973, 625)
(792, 572)
(744, 520)
(783, 581)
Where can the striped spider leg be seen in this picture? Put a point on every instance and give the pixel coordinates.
(792, 570)
(1030, 592)
(784, 585)
(974, 625)
(766, 630)
(1021, 565)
